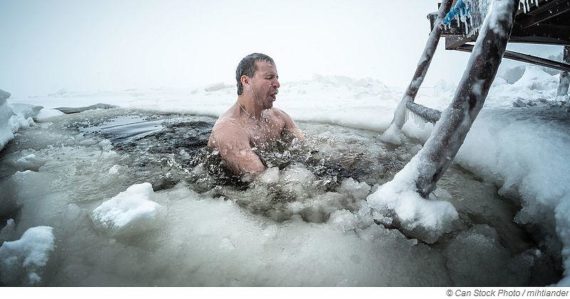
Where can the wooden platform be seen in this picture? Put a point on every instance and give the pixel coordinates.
(545, 23)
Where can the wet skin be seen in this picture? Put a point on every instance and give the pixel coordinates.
(252, 122)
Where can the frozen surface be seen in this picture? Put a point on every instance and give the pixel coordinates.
(298, 225)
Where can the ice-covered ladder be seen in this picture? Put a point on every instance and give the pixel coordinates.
(454, 123)
(529, 27)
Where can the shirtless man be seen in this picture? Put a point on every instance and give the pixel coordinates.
(252, 122)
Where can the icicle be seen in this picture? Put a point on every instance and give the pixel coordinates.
(524, 5)
(458, 20)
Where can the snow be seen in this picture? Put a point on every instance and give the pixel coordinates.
(130, 212)
(46, 113)
(13, 117)
(500, 11)
(425, 219)
(5, 116)
(534, 78)
(23, 261)
(523, 150)
(354, 188)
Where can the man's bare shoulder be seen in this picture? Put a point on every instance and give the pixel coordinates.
(227, 126)
(289, 124)
(280, 114)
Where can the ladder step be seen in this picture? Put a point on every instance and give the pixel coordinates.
(428, 114)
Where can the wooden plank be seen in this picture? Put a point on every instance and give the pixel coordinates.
(426, 113)
(526, 58)
(543, 13)
(551, 34)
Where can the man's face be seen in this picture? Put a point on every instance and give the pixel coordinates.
(265, 84)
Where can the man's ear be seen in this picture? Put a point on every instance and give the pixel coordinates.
(244, 81)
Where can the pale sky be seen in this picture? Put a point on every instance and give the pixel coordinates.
(80, 45)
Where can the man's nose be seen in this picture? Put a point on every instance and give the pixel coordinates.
(276, 83)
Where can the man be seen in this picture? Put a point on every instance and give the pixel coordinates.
(252, 122)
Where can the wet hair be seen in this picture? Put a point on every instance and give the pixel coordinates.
(247, 67)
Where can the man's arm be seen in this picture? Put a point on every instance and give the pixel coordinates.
(233, 145)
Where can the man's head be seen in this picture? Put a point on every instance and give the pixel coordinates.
(257, 72)
(247, 66)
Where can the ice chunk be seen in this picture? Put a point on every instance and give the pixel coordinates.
(23, 261)
(30, 162)
(422, 218)
(344, 220)
(22, 115)
(6, 113)
(218, 86)
(130, 212)
(105, 145)
(25, 110)
(355, 189)
(269, 176)
(47, 113)
(297, 180)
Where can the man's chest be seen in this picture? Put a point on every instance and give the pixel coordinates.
(264, 133)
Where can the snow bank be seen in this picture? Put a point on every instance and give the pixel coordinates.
(329, 99)
(24, 260)
(528, 158)
(130, 212)
(535, 78)
(13, 117)
(5, 115)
